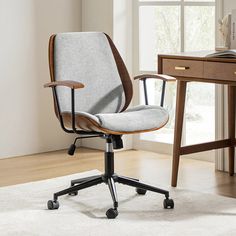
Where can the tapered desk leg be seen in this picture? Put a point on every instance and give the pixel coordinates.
(231, 126)
(179, 116)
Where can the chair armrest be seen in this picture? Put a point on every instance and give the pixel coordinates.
(72, 85)
(166, 78)
(67, 83)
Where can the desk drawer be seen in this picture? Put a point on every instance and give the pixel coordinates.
(183, 68)
(220, 71)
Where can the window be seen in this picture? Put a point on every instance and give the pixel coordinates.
(177, 26)
(174, 26)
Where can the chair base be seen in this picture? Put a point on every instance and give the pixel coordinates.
(79, 184)
(109, 178)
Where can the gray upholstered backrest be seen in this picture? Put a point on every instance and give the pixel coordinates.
(87, 57)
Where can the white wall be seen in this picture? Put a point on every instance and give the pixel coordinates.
(27, 122)
(97, 16)
(123, 30)
(229, 5)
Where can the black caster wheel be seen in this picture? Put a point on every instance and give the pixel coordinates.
(53, 205)
(141, 191)
(75, 193)
(71, 149)
(168, 203)
(112, 213)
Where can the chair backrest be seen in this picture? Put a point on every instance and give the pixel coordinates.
(92, 59)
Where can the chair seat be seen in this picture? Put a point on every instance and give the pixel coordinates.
(142, 118)
(136, 119)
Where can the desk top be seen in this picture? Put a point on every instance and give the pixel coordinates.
(198, 56)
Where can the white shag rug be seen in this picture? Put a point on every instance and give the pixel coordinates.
(23, 212)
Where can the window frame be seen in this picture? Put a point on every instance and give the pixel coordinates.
(182, 4)
(162, 147)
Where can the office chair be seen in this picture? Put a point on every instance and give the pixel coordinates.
(91, 91)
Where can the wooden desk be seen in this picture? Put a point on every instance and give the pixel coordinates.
(188, 67)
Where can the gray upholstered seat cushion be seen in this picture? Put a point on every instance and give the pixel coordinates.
(87, 57)
(134, 119)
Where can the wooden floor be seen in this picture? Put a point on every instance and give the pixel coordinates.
(151, 167)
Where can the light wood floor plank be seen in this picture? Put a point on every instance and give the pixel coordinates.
(152, 167)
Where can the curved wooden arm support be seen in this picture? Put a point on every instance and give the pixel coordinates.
(67, 83)
(166, 78)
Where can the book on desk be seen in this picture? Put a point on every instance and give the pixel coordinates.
(224, 54)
